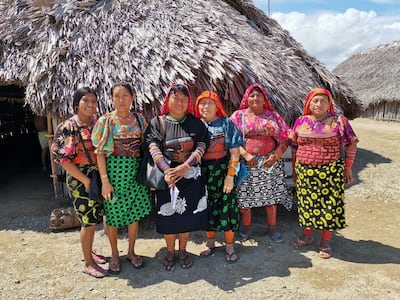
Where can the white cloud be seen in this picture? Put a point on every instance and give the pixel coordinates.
(333, 37)
(384, 1)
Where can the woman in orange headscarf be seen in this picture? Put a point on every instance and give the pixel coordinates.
(219, 165)
(265, 140)
(177, 150)
(321, 172)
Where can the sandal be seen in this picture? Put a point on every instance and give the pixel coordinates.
(137, 262)
(99, 259)
(231, 258)
(96, 273)
(114, 265)
(325, 252)
(209, 251)
(168, 264)
(243, 237)
(184, 259)
(277, 237)
(300, 242)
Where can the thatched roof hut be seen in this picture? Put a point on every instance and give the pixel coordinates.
(374, 75)
(51, 47)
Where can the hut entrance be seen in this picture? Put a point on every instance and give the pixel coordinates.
(19, 145)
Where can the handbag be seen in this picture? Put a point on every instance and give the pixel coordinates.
(241, 171)
(95, 181)
(63, 218)
(149, 174)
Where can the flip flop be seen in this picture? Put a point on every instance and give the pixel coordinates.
(96, 273)
(114, 265)
(277, 237)
(168, 264)
(99, 259)
(137, 264)
(231, 258)
(184, 259)
(243, 237)
(299, 243)
(209, 251)
(325, 252)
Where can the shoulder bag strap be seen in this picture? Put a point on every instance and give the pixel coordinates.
(85, 150)
(83, 143)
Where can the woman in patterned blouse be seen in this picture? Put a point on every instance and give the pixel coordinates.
(266, 138)
(318, 138)
(177, 150)
(219, 165)
(117, 137)
(69, 153)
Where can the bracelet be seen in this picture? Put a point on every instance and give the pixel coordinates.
(231, 171)
(348, 163)
(233, 163)
(104, 176)
(186, 164)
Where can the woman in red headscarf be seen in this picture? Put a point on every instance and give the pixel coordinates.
(265, 140)
(177, 150)
(321, 172)
(219, 165)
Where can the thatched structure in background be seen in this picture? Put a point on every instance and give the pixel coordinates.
(374, 75)
(51, 47)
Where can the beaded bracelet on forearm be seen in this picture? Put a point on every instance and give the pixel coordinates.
(348, 163)
(349, 159)
(231, 171)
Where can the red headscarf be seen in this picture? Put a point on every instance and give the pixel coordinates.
(165, 108)
(244, 104)
(214, 97)
(312, 94)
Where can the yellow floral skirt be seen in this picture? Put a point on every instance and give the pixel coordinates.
(320, 194)
(90, 212)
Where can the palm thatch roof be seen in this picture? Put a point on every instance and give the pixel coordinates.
(374, 74)
(53, 46)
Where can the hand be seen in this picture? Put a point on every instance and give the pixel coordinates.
(269, 162)
(87, 184)
(228, 184)
(107, 190)
(178, 172)
(348, 175)
(252, 163)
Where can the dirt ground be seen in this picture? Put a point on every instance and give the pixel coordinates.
(39, 264)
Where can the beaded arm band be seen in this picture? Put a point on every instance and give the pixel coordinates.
(349, 159)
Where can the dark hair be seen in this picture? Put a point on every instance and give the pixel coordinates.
(257, 89)
(179, 88)
(79, 93)
(125, 85)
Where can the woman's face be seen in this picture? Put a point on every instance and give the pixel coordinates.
(256, 101)
(87, 105)
(178, 104)
(122, 99)
(207, 109)
(319, 105)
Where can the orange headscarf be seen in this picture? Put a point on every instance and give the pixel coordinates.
(179, 87)
(245, 100)
(312, 94)
(214, 97)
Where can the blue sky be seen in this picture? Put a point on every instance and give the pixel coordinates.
(333, 30)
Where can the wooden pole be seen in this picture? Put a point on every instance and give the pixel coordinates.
(53, 175)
